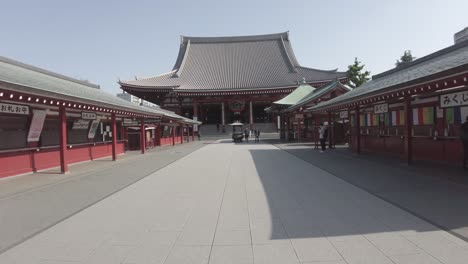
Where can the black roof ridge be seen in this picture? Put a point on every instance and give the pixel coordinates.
(422, 59)
(47, 72)
(292, 67)
(246, 38)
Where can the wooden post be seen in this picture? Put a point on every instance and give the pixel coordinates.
(299, 130)
(358, 130)
(223, 118)
(142, 136)
(173, 135)
(330, 130)
(63, 139)
(114, 137)
(181, 130)
(193, 133)
(251, 114)
(158, 135)
(407, 131)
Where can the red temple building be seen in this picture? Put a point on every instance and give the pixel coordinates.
(413, 111)
(49, 120)
(218, 80)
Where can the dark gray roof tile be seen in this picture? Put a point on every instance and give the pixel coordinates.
(222, 63)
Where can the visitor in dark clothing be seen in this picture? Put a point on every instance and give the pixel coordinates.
(323, 133)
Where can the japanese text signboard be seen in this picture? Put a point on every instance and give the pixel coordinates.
(80, 124)
(380, 108)
(88, 115)
(14, 109)
(344, 114)
(454, 99)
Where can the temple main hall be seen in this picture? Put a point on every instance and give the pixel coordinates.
(218, 80)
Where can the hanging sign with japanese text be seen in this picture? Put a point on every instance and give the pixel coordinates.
(344, 114)
(454, 99)
(14, 109)
(37, 123)
(88, 115)
(380, 108)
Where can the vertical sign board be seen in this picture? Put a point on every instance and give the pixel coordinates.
(37, 123)
(380, 108)
(195, 126)
(93, 128)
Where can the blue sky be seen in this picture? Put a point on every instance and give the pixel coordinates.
(102, 41)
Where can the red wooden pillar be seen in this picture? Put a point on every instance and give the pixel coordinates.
(193, 133)
(299, 130)
(358, 130)
(173, 135)
(123, 136)
(114, 136)
(63, 139)
(142, 136)
(181, 129)
(330, 130)
(407, 131)
(158, 135)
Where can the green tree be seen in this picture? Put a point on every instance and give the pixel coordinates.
(405, 58)
(356, 76)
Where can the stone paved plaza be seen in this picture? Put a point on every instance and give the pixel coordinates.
(240, 203)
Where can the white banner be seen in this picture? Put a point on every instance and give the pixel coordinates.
(195, 126)
(380, 108)
(454, 99)
(37, 123)
(93, 128)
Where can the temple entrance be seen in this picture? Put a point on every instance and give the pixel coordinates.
(259, 114)
(211, 113)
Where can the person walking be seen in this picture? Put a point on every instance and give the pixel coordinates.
(464, 138)
(257, 135)
(323, 132)
(246, 135)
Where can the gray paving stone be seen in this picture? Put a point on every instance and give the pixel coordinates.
(255, 204)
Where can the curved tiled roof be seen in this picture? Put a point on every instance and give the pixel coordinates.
(37, 81)
(297, 95)
(435, 63)
(225, 63)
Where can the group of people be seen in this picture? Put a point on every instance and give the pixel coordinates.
(254, 132)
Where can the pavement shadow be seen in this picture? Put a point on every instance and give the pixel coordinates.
(426, 191)
(313, 203)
